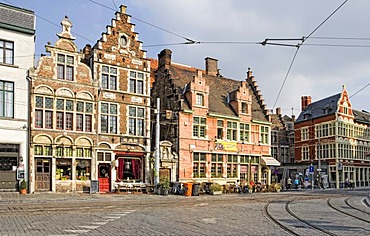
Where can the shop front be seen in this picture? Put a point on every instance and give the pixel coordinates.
(9, 155)
(130, 166)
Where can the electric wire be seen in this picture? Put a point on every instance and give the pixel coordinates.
(286, 76)
(305, 38)
(359, 90)
(145, 22)
(298, 46)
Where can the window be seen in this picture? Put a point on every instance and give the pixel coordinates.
(264, 135)
(104, 156)
(44, 112)
(63, 169)
(216, 166)
(6, 99)
(244, 132)
(304, 134)
(64, 151)
(244, 108)
(220, 129)
(305, 153)
(232, 164)
(65, 68)
(64, 114)
(109, 117)
(136, 82)
(84, 112)
(199, 165)
(232, 130)
(83, 169)
(83, 152)
(199, 101)
(199, 127)
(136, 121)
(6, 52)
(42, 150)
(123, 41)
(109, 78)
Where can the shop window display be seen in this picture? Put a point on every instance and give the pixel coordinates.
(64, 170)
(83, 169)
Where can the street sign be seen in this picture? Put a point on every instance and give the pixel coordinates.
(311, 169)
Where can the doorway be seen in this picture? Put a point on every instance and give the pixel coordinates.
(43, 175)
(104, 177)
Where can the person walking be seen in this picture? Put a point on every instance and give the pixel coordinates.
(289, 183)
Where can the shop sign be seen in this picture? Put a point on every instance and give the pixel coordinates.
(226, 146)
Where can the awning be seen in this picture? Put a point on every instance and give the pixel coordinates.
(270, 161)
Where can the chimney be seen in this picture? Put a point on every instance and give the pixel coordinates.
(305, 101)
(278, 111)
(211, 66)
(164, 58)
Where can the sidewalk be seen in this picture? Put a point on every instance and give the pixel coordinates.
(15, 197)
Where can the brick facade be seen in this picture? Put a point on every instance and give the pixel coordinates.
(208, 112)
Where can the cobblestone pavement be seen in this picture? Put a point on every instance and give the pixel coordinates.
(336, 212)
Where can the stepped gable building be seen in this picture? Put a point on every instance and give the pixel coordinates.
(122, 71)
(219, 127)
(17, 49)
(335, 138)
(63, 121)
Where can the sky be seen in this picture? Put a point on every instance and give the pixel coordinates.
(336, 53)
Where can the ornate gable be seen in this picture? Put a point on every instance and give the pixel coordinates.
(119, 45)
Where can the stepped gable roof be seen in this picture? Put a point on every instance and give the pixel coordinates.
(276, 121)
(323, 107)
(362, 116)
(219, 87)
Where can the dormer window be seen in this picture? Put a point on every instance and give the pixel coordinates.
(65, 67)
(199, 100)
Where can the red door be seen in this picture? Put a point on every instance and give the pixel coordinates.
(104, 178)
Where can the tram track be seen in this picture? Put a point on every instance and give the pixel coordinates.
(356, 208)
(292, 228)
(328, 202)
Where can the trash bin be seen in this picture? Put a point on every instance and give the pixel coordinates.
(188, 188)
(195, 189)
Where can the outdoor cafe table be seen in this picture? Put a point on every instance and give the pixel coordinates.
(130, 187)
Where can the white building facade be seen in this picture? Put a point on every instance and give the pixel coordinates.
(17, 48)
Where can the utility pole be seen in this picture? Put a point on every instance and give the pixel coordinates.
(156, 154)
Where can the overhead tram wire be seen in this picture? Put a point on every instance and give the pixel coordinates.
(145, 22)
(359, 90)
(298, 46)
(200, 42)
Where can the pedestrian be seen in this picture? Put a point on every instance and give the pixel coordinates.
(296, 183)
(346, 183)
(237, 186)
(289, 183)
(306, 179)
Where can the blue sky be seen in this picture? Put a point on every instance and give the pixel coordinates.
(317, 71)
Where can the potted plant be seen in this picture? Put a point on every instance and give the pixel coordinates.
(23, 187)
(216, 189)
(165, 185)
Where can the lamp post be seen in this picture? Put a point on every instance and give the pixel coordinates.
(156, 154)
(319, 164)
